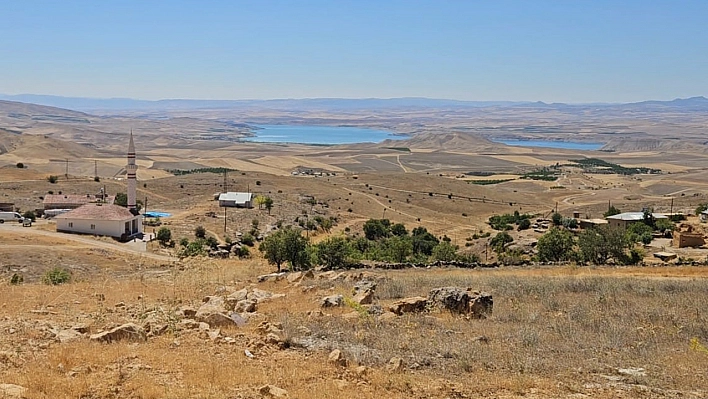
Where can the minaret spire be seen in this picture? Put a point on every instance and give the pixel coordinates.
(130, 169)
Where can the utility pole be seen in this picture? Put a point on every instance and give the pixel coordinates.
(224, 222)
(146, 205)
(95, 169)
(66, 173)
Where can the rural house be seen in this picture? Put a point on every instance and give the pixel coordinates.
(101, 219)
(236, 200)
(623, 220)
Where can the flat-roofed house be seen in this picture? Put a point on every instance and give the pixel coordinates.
(236, 200)
(623, 220)
(102, 220)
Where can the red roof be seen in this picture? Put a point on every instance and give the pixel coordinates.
(98, 212)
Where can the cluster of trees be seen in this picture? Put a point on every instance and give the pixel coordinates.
(382, 241)
(506, 221)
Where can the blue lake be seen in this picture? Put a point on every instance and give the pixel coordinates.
(319, 134)
(568, 145)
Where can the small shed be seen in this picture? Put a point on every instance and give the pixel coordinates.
(590, 223)
(236, 200)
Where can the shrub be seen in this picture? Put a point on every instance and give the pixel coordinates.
(52, 179)
(499, 241)
(20, 165)
(183, 242)
(56, 276)
(164, 235)
(96, 179)
(556, 245)
(16, 279)
(29, 215)
(248, 239)
(524, 224)
(200, 232)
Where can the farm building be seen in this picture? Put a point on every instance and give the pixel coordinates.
(623, 220)
(236, 200)
(101, 219)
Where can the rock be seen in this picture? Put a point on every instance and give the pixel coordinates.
(81, 328)
(188, 311)
(267, 327)
(271, 391)
(189, 324)
(271, 277)
(294, 277)
(213, 312)
(204, 326)
(236, 297)
(462, 301)
(261, 296)
(246, 305)
(12, 391)
(375, 310)
(633, 372)
(332, 301)
(337, 358)
(361, 371)
(273, 339)
(364, 292)
(481, 305)
(67, 335)
(386, 316)
(365, 298)
(129, 331)
(409, 305)
(395, 365)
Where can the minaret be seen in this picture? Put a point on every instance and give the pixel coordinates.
(130, 170)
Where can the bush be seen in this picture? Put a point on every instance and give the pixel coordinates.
(524, 224)
(183, 242)
(248, 239)
(164, 235)
(20, 165)
(29, 215)
(200, 232)
(16, 279)
(556, 245)
(499, 241)
(52, 179)
(56, 276)
(96, 179)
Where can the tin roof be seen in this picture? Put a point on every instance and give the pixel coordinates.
(240, 198)
(635, 216)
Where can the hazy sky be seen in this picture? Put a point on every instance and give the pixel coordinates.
(556, 50)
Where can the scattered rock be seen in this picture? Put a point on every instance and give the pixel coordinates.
(214, 334)
(129, 331)
(12, 391)
(337, 358)
(481, 305)
(395, 365)
(271, 391)
(409, 305)
(633, 371)
(246, 305)
(351, 315)
(82, 328)
(213, 312)
(261, 296)
(361, 371)
(271, 277)
(215, 319)
(267, 327)
(364, 292)
(188, 311)
(332, 301)
(68, 335)
(386, 316)
(273, 339)
(236, 297)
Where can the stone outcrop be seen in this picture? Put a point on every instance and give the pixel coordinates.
(409, 305)
(271, 391)
(461, 301)
(128, 332)
(332, 301)
(364, 292)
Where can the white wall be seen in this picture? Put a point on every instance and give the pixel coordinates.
(112, 228)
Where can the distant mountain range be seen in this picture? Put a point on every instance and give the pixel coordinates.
(333, 104)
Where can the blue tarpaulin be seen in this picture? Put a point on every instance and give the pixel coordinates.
(155, 214)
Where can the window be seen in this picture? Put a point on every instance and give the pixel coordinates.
(93, 227)
(71, 224)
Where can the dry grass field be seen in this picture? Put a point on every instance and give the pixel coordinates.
(556, 331)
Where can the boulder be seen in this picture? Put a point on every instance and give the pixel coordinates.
(461, 301)
(271, 391)
(271, 277)
(236, 297)
(129, 331)
(217, 319)
(364, 292)
(12, 391)
(261, 296)
(67, 335)
(332, 301)
(409, 305)
(188, 312)
(337, 358)
(213, 312)
(246, 305)
(481, 305)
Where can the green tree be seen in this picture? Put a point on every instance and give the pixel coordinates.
(663, 225)
(555, 245)
(122, 200)
(599, 244)
(29, 215)
(375, 229)
(200, 232)
(639, 232)
(286, 245)
(557, 219)
(52, 179)
(164, 235)
(499, 241)
(259, 200)
(20, 165)
(399, 248)
(701, 207)
(445, 251)
(611, 211)
(423, 241)
(268, 203)
(399, 229)
(524, 224)
(333, 252)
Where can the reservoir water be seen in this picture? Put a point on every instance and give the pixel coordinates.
(319, 134)
(568, 145)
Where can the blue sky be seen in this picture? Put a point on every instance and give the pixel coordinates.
(562, 51)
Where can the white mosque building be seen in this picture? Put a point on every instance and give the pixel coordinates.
(104, 219)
